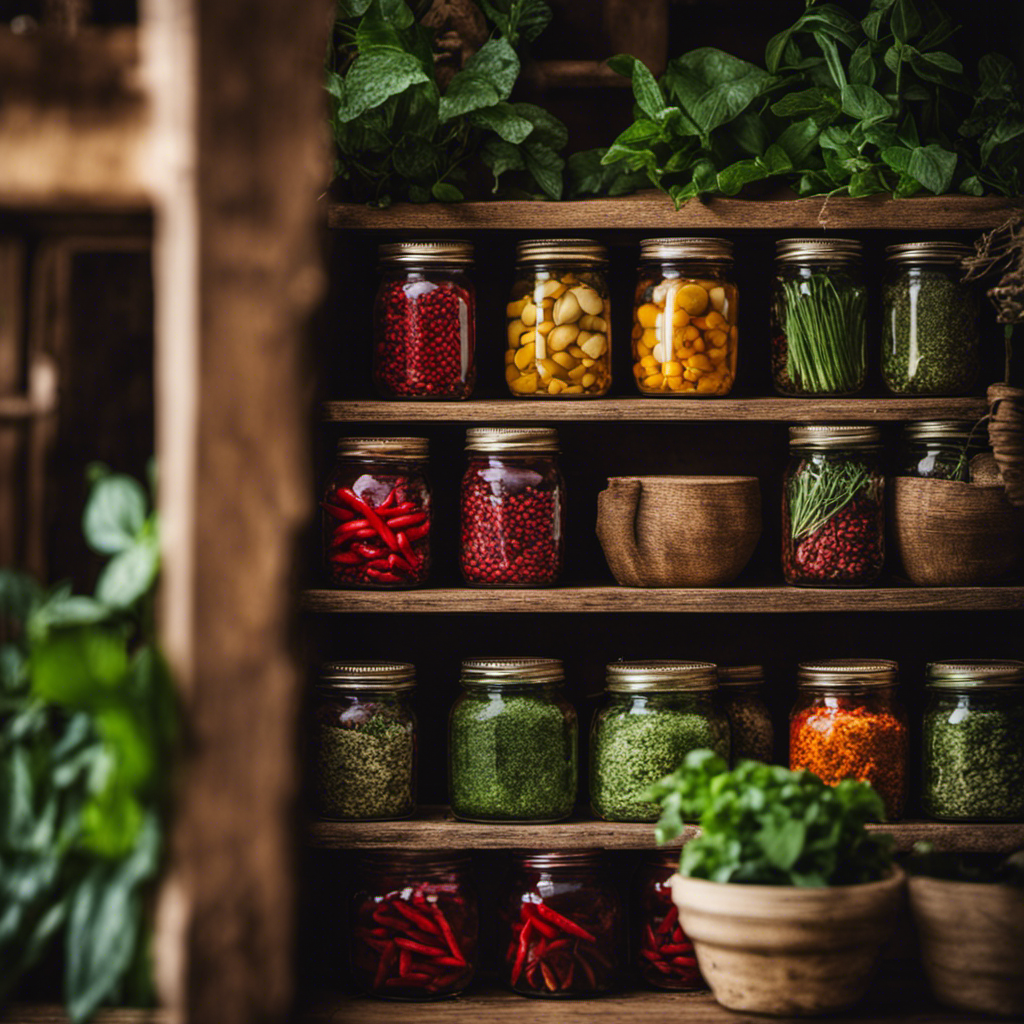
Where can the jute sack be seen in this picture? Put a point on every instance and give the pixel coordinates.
(1006, 435)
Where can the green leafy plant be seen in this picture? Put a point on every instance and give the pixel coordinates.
(761, 824)
(842, 107)
(86, 719)
(400, 136)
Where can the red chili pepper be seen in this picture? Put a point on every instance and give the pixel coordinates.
(569, 973)
(368, 551)
(530, 910)
(677, 947)
(649, 939)
(651, 955)
(538, 951)
(406, 548)
(402, 522)
(366, 533)
(386, 503)
(415, 980)
(350, 528)
(399, 510)
(670, 919)
(418, 532)
(549, 978)
(337, 513)
(587, 969)
(563, 922)
(387, 958)
(383, 577)
(685, 961)
(417, 917)
(357, 504)
(446, 931)
(345, 558)
(524, 939)
(450, 961)
(404, 963)
(559, 944)
(419, 947)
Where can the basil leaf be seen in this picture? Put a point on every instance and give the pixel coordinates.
(446, 193)
(933, 166)
(129, 575)
(114, 514)
(906, 22)
(865, 104)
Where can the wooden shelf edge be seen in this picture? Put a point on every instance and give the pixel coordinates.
(31, 1013)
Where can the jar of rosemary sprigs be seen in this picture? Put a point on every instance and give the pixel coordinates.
(818, 317)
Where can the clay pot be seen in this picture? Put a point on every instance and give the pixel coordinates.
(782, 949)
(678, 531)
(1006, 435)
(972, 943)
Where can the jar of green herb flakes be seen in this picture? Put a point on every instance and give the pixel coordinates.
(363, 738)
(941, 449)
(513, 742)
(973, 741)
(656, 712)
(929, 321)
(741, 697)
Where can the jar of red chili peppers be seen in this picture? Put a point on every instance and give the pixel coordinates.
(848, 724)
(833, 513)
(563, 925)
(664, 955)
(424, 320)
(414, 925)
(513, 508)
(376, 513)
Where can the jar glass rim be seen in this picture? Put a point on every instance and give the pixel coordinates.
(561, 250)
(495, 440)
(975, 675)
(511, 671)
(842, 435)
(450, 251)
(395, 448)
(846, 672)
(660, 676)
(711, 249)
(365, 676)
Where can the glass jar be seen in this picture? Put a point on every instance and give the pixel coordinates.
(363, 740)
(376, 513)
(941, 449)
(415, 922)
(848, 724)
(655, 713)
(929, 320)
(833, 512)
(973, 741)
(512, 742)
(664, 955)
(424, 320)
(741, 697)
(684, 317)
(512, 530)
(819, 317)
(559, 320)
(563, 925)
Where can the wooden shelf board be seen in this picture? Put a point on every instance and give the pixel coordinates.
(510, 410)
(32, 1013)
(762, 598)
(435, 828)
(653, 210)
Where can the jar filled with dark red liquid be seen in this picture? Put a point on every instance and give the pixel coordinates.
(663, 954)
(562, 925)
(376, 513)
(424, 320)
(512, 508)
(414, 925)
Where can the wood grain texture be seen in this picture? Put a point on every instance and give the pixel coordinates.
(25, 1013)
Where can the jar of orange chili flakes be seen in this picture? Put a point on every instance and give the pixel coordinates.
(848, 724)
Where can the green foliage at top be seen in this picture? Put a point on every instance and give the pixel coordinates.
(842, 107)
(398, 136)
(765, 825)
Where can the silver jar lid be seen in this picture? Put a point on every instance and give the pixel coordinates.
(395, 448)
(448, 251)
(818, 250)
(740, 675)
(946, 430)
(660, 676)
(928, 252)
(391, 676)
(842, 673)
(511, 439)
(561, 250)
(975, 675)
(712, 249)
(542, 860)
(834, 436)
(511, 671)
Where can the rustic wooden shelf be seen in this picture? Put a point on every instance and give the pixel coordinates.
(654, 211)
(507, 410)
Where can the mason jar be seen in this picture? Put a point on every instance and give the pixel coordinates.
(363, 741)
(513, 741)
(414, 925)
(424, 320)
(819, 317)
(973, 741)
(558, 320)
(376, 514)
(512, 522)
(685, 317)
(654, 714)
(833, 509)
(929, 320)
(941, 449)
(848, 723)
(741, 697)
(562, 925)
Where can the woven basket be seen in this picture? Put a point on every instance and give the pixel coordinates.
(950, 533)
(678, 531)
(1006, 434)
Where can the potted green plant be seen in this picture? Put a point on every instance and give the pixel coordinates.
(785, 895)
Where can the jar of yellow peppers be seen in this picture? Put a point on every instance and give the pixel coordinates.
(558, 326)
(684, 317)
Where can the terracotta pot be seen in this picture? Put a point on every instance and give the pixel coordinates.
(972, 943)
(782, 949)
(678, 531)
(1006, 435)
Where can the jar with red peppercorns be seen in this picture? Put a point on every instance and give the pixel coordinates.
(376, 513)
(513, 508)
(562, 925)
(833, 514)
(424, 320)
(664, 955)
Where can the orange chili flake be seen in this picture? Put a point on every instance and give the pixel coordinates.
(852, 742)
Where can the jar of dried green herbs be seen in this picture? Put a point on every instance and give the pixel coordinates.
(741, 697)
(941, 449)
(929, 320)
(818, 317)
(363, 739)
(973, 741)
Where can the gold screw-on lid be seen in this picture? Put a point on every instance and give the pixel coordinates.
(740, 675)
(841, 673)
(928, 252)
(818, 250)
(391, 676)
(450, 251)
(947, 430)
(561, 250)
(395, 448)
(660, 676)
(686, 249)
(511, 671)
(540, 860)
(511, 439)
(846, 435)
(961, 675)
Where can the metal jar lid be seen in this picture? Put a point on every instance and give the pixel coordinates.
(561, 250)
(511, 439)
(928, 252)
(713, 249)
(660, 676)
(511, 671)
(834, 436)
(827, 675)
(818, 250)
(740, 675)
(946, 430)
(543, 860)
(445, 252)
(396, 448)
(975, 675)
(392, 676)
